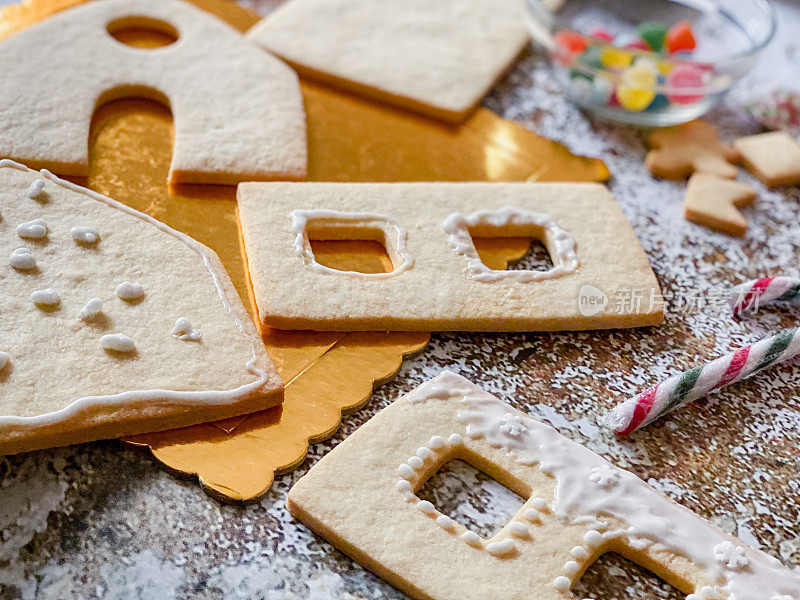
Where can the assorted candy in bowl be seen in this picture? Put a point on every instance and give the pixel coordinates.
(652, 62)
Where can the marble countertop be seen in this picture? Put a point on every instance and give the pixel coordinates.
(102, 520)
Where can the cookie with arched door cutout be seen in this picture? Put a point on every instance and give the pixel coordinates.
(238, 110)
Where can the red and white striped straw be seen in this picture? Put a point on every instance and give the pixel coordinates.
(681, 389)
(751, 295)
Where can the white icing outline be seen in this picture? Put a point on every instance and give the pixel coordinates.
(398, 251)
(213, 397)
(518, 530)
(651, 517)
(559, 243)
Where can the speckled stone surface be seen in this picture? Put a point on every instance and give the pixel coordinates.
(101, 520)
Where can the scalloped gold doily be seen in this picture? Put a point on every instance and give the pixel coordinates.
(350, 139)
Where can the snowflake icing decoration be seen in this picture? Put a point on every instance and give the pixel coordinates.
(605, 476)
(731, 556)
(512, 425)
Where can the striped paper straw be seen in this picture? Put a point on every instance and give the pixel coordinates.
(758, 292)
(693, 384)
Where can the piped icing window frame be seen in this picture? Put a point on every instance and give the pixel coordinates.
(515, 223)
(579, 507)
(339, 225)
(440, 291)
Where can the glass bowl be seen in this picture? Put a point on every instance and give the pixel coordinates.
(600, 56)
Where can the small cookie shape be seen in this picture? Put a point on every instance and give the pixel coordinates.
(679, 151)
(90, 355)
(439, 281)
(238, 111)
(362, 498)
(772, 157)
(714, 202)
(438, 58)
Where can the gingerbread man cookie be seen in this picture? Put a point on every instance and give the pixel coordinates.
(714, 202)
(679, 151)
(772, 157)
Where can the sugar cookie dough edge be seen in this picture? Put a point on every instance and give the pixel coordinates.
(258, 365)
(452, 116)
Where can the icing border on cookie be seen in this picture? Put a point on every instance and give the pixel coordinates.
(580, 497)
(398, 252)
(213, 397)
(560, 244)
(500, 545)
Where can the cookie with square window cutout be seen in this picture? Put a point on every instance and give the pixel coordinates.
(438, 280)
(361, 497)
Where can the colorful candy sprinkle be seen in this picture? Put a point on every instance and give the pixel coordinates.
(629, 71)
(572, 42)
(654, 33)
(680, 38)
(686, 76)
(637, 44)
(615, 58)
(637, 89)
(603, 34)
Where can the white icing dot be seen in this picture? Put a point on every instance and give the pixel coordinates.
(118, 342)
(532, 515)
(404, 485)
(600, 526)
(436, 442)
(34, 230)
(85, 235)
(415, 462)
(694, 597)
(500, 548)
(445, 522)
(639, 543)
(93, 308)
(518, 529)
(455, 440)
(4, 358)
(424, 452)
(570, 567)
(562, 583)
(539, 504)
(35, 189)
(47, 297)
(406, 472)
(130, 291)
(472, 538)
(183, 330)
(22, 259)
(593, 538)
(708, 592)
(579, 552)
(426, 507)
